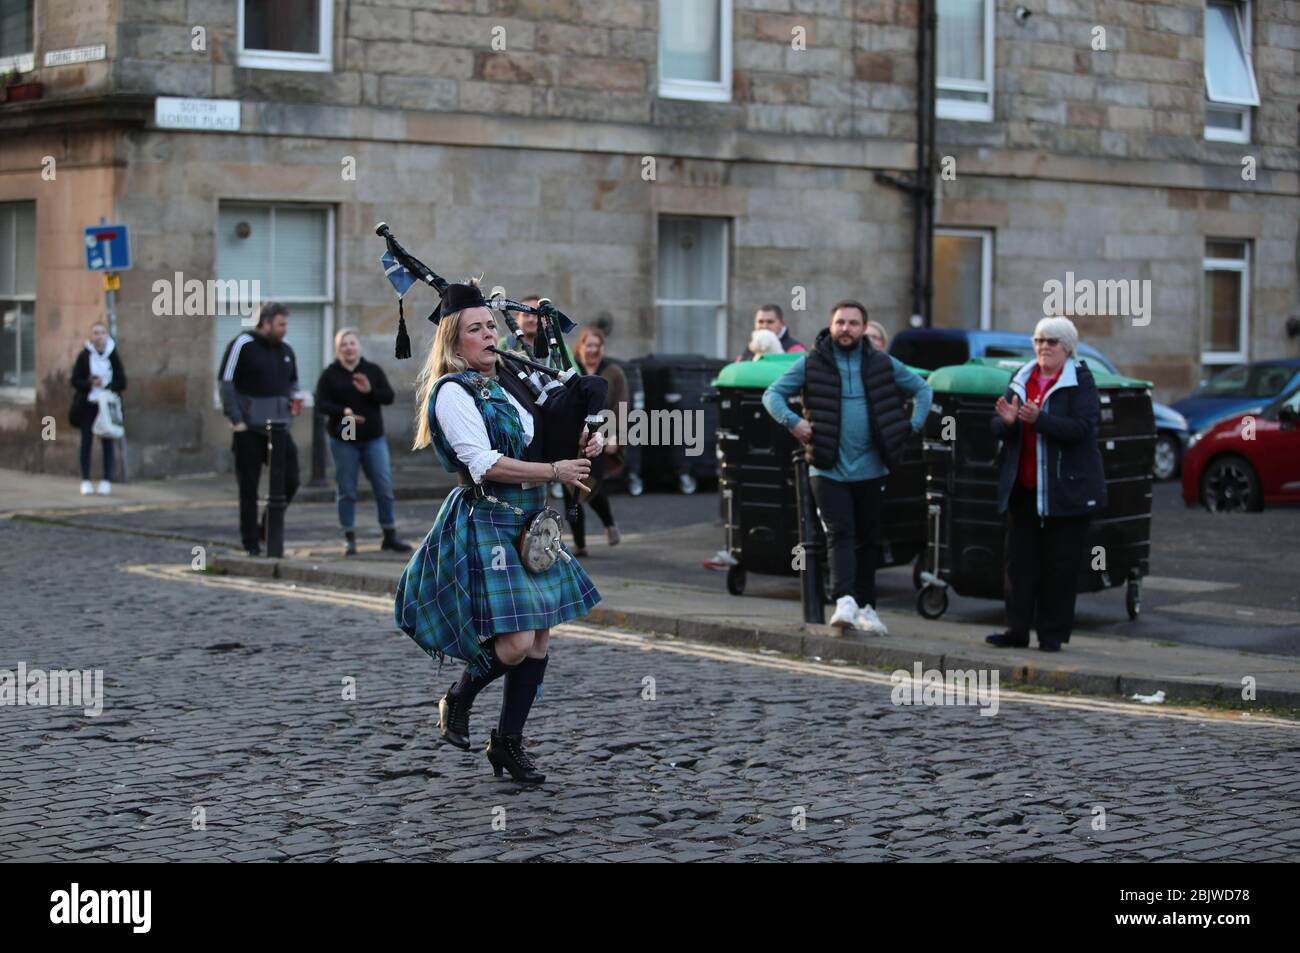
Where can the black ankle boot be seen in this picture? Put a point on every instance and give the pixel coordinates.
(351, 548)
(391, 542)
(453, 720)
(1005, 640)
(507, 752)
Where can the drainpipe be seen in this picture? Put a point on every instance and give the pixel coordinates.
(921, 186)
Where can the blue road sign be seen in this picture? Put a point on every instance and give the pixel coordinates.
(107, 248)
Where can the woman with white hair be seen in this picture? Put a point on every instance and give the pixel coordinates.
(1050, 483)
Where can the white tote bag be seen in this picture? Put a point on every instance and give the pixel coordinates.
(108, 421)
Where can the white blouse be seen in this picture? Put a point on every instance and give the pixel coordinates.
(462, 425)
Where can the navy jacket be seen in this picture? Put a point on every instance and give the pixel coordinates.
(1071, 481)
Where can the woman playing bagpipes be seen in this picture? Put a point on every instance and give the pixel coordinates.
(492, 577)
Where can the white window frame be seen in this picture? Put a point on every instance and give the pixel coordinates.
(1242, 266)
(326, 301)
(720, 315)
(719, 92)
(1239, 106)
(24, 62)
(985, 235)
(9, 393)
(322, 62)
(965, 109)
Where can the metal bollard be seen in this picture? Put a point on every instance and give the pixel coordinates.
(810, 578)
(277, 432)
(318, 443)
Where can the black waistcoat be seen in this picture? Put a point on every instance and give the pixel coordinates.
(889, 423)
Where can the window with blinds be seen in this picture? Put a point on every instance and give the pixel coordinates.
(289, 251)
(18, 300)
(691, 296)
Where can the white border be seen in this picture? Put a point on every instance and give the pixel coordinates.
(719, 92)
(322, 62)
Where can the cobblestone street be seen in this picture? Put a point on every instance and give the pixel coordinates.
(223, 699)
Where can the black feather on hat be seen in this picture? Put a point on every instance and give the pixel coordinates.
(458, 298)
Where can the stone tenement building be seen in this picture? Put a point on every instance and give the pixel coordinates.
(673, 164)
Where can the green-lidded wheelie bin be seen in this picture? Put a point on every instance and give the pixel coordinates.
(966, 536)
(756, 480)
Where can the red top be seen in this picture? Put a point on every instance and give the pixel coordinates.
(1035, 392)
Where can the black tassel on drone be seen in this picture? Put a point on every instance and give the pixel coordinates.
(403, 339)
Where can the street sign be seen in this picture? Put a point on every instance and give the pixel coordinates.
(208, 115)
(112, 281)
(107, 248)
(78, 54)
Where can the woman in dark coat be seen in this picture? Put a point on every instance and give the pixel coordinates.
(98, 368)
(465, 592)
(591, 355)
(1050, 483)
(352, 392)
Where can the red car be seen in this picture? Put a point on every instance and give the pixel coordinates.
(1247, 460)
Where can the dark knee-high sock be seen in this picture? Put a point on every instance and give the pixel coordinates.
(523, 684)
(470, 685)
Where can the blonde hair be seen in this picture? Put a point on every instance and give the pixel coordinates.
(441, 361)
(884, 335)
(341, 333)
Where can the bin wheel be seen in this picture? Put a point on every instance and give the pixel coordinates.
(1133, 598)
(932, 601)
(736, 580)
(917, 568)
(687, 483)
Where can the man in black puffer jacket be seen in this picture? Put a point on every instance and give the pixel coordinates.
(1050, 483)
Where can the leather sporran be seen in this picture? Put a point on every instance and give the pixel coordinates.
(539, 542)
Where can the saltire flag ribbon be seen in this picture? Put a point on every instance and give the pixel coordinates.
(401, 280)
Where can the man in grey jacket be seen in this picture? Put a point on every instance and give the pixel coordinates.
(259, 377)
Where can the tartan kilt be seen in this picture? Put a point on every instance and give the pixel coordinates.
(450, 598)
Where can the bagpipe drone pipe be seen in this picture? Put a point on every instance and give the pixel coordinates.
(569, 402)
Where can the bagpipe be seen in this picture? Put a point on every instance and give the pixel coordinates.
(569, 402)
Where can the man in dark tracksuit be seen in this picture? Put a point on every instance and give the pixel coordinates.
(259, 376)
(854, 399)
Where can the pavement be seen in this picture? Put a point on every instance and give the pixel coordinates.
(265, 720)
(1231, 629)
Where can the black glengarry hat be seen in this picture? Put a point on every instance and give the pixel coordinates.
(458, 298)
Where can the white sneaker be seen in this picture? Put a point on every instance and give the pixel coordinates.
(869, 622)
(87, 488)
(846, 610)
(104, 488)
